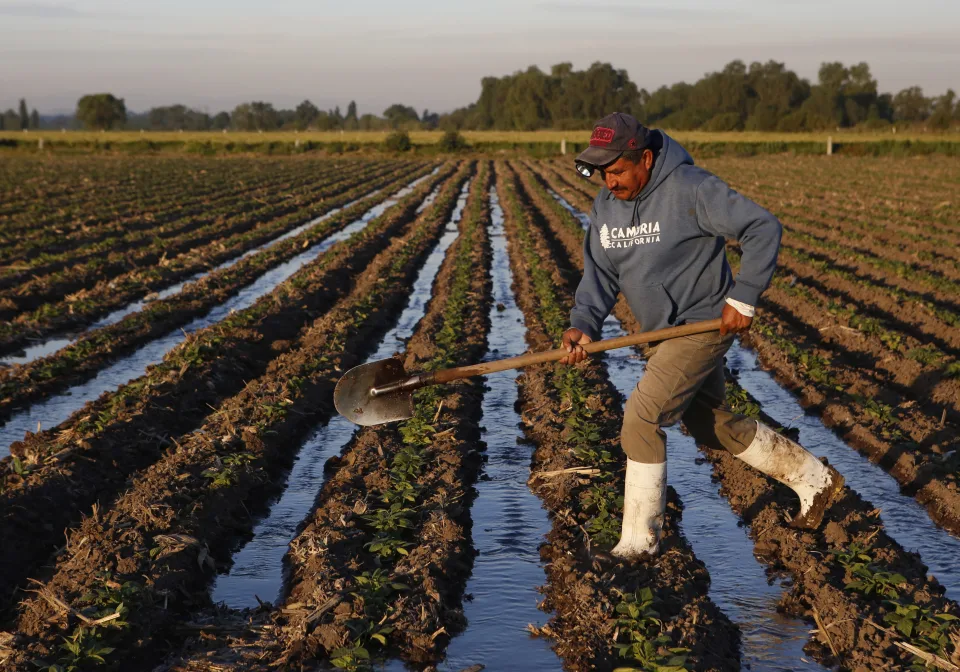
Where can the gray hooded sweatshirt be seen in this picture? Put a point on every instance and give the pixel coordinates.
(665, 249)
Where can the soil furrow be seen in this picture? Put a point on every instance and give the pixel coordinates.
(572, 415)
(66, 470)
(84, 307)
(221, 473)
(178, 193)
(344, 592)
(213, 239)
(83, 358)
(106, 247)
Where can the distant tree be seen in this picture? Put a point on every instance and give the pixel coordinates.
(398, 115)
(371, 122)
(911, 105)
(101, 111)
(943, 111)
(429, 120)
(336, 118)
(351, 122)
(24, 115)
(306, 114)
(254, 116)
(220, 121)
(35, 119)
(177, 117)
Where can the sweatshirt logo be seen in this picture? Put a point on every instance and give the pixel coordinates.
(628, 236)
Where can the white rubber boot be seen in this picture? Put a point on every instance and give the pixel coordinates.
(644, 501)
(816, 484)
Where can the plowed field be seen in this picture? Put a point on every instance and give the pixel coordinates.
(177, 491)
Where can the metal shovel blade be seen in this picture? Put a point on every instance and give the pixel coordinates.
(353, 399)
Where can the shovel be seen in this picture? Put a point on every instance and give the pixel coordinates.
(380, 392)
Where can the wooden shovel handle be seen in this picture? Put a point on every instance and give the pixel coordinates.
(458, 373)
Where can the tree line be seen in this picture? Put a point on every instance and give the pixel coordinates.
(11, 120)
(761, 97)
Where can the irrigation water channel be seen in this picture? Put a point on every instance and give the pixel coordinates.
(509, 522)
(51, 345)
(745, 598)
(257, 569)
(56, 409)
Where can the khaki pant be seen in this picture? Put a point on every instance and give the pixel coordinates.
(683, 380)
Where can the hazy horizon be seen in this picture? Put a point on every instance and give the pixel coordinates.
(213, 55)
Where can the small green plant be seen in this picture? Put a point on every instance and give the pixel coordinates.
(926, 355)
(639, 638)
(350, 658)
(392, 519)
(864, 576)
(873, 582)
(81, 649)
(739, 401)
(604, 529)
(926, 631)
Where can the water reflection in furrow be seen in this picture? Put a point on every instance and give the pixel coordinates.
(738, 583)
(509, 522)
(51, 345)
(904, 518)
(56, 409)
(257, 569)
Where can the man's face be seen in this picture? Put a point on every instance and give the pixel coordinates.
(626, 179)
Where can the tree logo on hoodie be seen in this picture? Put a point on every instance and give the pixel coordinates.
(628, 236)
(605, 236)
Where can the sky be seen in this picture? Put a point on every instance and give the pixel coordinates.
(214, 54)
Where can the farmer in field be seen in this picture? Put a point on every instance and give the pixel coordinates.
(657, 235)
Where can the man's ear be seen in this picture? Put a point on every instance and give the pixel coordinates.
(648, 158)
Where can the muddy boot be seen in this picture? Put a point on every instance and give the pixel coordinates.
(817, 484)
(644, 501)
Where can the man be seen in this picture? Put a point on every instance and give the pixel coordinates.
(657, 235)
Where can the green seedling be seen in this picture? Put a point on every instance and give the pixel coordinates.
(926, 355)
(639, 638)
(871, 582)
(604, 529)
(739, 401)
(350, 658)
(392, 519)
(928, 632)
(82, 649)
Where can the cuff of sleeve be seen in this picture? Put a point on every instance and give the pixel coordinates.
(745, 294)
(743, 308)
(586, 326)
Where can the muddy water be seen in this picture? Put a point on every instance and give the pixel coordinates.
(49, 346)
(509, 523)
(257, 569)
(905, 520)
(738, 582)
(56, 409)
